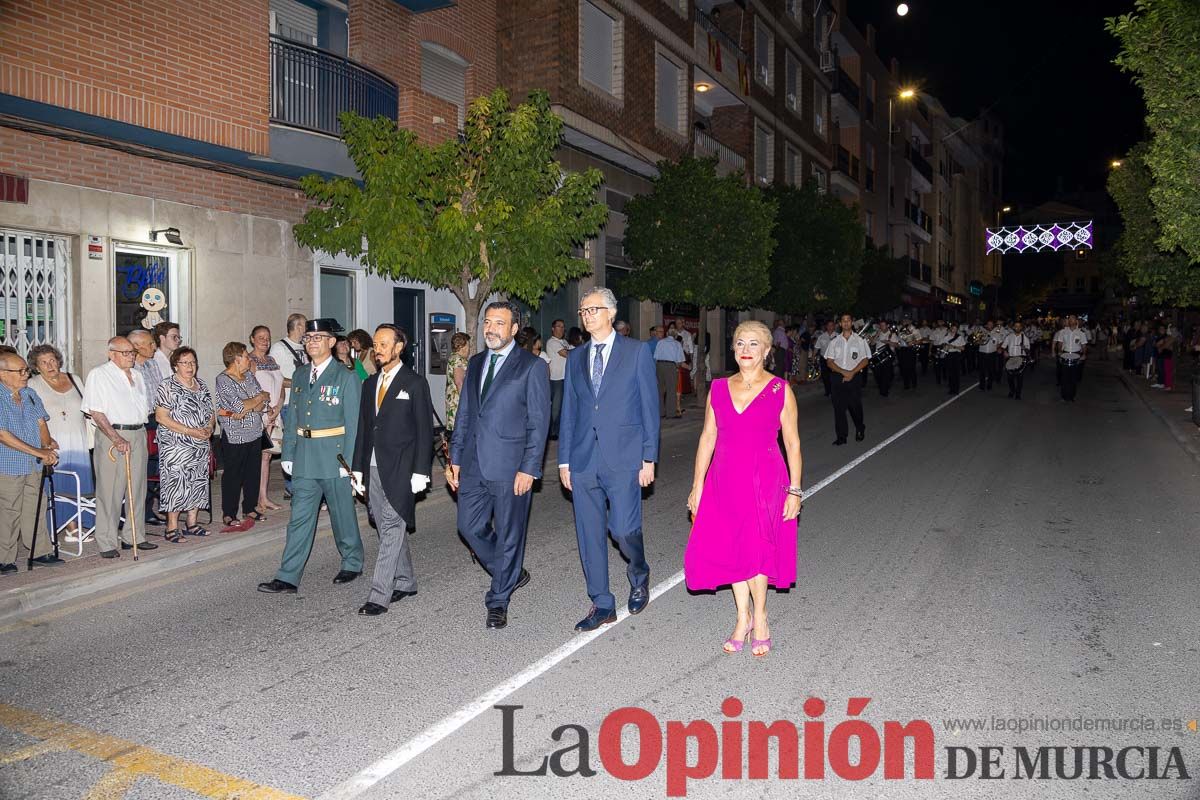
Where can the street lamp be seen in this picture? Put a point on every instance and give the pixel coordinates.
(1115, 163)
(902, 9)
(905, 93)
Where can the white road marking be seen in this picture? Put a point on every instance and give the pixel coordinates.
(376, 772)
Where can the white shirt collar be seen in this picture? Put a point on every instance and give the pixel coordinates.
(386, 375)
(607, 342)
(320, 368)
(503, 352)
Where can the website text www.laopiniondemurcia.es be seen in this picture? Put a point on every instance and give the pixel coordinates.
(852, 750)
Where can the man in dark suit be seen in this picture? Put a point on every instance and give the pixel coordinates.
(496, 454)
(392, 460)
(607, 447)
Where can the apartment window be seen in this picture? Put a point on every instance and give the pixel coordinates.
(795, 10)
(792, 76)
(869, 105)
(819, 31)
(791, 165)
(294, 21)
(820, 110)
(869, 224)
(764, 55)
(670, 95)
(821, 178)
(444, 75)
(600, 47)
(764, 154)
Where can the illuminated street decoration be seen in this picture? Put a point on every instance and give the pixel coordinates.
(1035, 238)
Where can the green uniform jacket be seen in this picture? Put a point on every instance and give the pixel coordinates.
(331, 403)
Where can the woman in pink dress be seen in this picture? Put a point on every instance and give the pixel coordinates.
(744, 505)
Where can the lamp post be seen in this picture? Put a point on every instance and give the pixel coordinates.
(905, 94)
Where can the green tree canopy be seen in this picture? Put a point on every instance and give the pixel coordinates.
(699, 238)
(1169, 276)
(1160, 46)
(489, 212)
(818, 255)
(882, 282)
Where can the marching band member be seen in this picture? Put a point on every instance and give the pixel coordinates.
(954, 346)
(1034, 333)
(1014, 346)
(823, 340)
(906, 353)
(937, 338)
(924, 345)
(847, 355)
(1070, 347)
(884, 346)
(988, 356)
(974, 334)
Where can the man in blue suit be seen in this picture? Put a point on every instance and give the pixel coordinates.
(496, 453)
(607, 447)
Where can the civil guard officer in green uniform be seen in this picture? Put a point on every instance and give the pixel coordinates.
(322, 424)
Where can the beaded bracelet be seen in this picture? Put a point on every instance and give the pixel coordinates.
(795, 491)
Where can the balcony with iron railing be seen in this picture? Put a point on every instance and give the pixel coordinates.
(710, 26)
(919, 162)
(844, 85)
(918, 217)
(847, 163)
(727, 157)
(869, 179)
(311, 87)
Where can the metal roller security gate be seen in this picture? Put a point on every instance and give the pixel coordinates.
(34, 276)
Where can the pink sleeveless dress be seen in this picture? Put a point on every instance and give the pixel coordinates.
(739, 531)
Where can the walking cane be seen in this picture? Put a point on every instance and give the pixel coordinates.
(129, 515)
(48, 472)
(36, 520)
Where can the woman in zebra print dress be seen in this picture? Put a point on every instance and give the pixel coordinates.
(185, 413)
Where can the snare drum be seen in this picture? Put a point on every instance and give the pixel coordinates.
(1015, 364)
(1068, 359)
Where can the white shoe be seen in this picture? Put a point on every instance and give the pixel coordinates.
(1157, 386)
(1187, 410)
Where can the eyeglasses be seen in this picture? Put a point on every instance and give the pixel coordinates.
(173, 336)
(591, 311)
(24, 371)
(315, 337)
(179, 364)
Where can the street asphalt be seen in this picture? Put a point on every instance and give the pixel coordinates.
(1028, 560)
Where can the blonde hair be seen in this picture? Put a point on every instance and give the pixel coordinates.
(753, 326)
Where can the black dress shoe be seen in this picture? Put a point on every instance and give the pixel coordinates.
(638, 597)
(7, 569)
(276, 586)
(524, 579)
(860, 435)
(497, 618)
(839, 441)
(141, 546)
(400, 594)
(49, 559)
(110, 553)
(596, 618)
(372, 609)
(345, 576)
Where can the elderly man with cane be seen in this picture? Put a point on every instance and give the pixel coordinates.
(114, 396)
(24, 441)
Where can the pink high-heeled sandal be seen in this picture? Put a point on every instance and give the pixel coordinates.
(738, 644)
(760, 643)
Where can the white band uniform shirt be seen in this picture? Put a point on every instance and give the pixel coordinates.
(955, 342)
(993, 340)
(1073, 342)
(847, 353)
(822, 342)
(108, 391)
(884, 339)
(1016, 344)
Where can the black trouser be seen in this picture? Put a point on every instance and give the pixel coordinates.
(923, 352)
(971, 360)
(1070, 378)
(1016, 381)
(884, 374)
(987, 370)
(952, 365)
(847, 396)
(939, 366)
(998, 368)
(243, 468)
(827, 375)
(1058, 371)
(907, 357)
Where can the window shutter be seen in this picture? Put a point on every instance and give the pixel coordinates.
(668, 93)
(444, 75)
(294, 21)
(597, 47)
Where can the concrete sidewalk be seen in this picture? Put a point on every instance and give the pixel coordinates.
(1172, 408)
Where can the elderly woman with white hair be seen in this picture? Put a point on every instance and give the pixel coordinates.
(62, 394)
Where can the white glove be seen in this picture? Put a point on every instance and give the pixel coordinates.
(342, 473)
(286, 466)
(419, 483)
(356, 483)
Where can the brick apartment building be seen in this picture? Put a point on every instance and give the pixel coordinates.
(122, 119)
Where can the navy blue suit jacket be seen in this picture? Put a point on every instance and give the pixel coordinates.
(505, 434)
(618, 429)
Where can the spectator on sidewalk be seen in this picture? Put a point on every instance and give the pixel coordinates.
(240, 401)
(184, 409)
(456, 373)
(557, 348)
(270, 377)
(61, 395)
(25, 445)
(167, 338)
(147, 363)
(290, 355)
(668, 356)
(114, 395)
(362, 352)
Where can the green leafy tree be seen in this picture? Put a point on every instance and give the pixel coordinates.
(490, 212)
(1170, 277)
(699, 238)
(818, 256)
(882, 282)
(1160, 46)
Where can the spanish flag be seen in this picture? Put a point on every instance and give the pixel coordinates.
(744, 76)
(714, 52)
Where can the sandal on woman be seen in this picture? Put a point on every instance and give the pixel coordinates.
(267, 505)
(174, 536)
(733, 645)
(256, 516)
(194, 530)
(232, 525)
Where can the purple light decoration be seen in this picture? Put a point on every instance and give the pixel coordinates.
(1036, 238)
